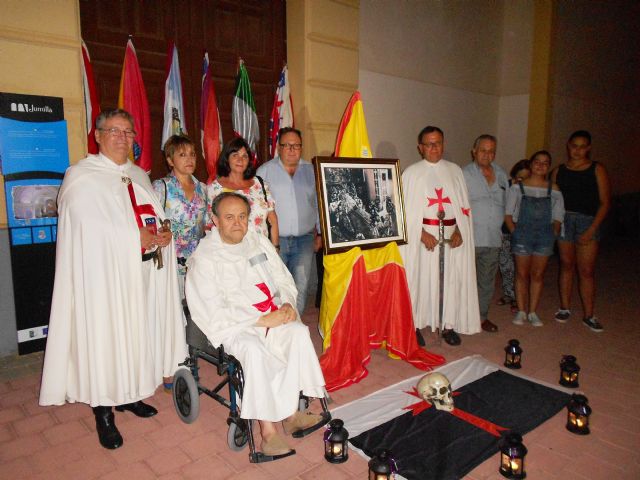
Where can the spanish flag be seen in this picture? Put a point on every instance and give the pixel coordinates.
(353, 139)
(133, 99)
(365, 298)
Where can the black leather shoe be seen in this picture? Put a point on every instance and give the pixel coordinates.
(108, 433)
(420, 338)
(139, 409)
(450, 336)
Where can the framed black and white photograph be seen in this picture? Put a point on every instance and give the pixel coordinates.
(360, 202)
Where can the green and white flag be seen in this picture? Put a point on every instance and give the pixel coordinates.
(243, 113)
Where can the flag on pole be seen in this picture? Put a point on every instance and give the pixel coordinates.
(365, 299)
(353, 140)
(91, 99)
(243, 113)
(174, 118)
(211, 131)
(282, 111)
(133, 99)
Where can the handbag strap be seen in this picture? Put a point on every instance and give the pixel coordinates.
(264, 190)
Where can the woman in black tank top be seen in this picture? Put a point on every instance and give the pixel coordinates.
(585, 187)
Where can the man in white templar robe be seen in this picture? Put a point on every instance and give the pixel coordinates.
(431, 185)
(240, 294)
(116, 325)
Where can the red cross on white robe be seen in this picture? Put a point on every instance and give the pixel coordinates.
(439, 200)
(265, 305)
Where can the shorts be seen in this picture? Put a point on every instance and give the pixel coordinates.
(574, 225)
(533, 241)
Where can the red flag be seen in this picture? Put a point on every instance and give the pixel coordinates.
(211, 133)
(133, 98)
(91, 99)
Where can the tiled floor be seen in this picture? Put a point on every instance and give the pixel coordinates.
(60, 442)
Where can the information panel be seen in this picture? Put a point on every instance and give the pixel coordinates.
(34, 155)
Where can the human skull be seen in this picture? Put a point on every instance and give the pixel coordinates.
(435, 388)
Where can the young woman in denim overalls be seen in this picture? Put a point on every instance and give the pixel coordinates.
(534, 214)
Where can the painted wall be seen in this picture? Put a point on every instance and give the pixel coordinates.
(322, 55)
(39, 54)
(596, 84)
(463, 66)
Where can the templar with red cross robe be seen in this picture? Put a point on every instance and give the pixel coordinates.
(429, 188)
(228, 288)
(116, 325)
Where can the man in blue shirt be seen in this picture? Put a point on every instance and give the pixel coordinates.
(487, 185)
(292, 183)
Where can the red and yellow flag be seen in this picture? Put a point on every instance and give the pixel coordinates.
(133, 99)
(365, 297)
(353, 139)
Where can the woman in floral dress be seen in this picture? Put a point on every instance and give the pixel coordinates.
(236, 174)
(184, 199)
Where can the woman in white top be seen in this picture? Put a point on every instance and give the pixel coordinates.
(534, 214)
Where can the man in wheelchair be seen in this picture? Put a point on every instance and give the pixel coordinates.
(240, 295)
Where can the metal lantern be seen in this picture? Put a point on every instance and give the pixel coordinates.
(382, 466)
(513, 354)
(569, 371)
(578, 412)
(512, 453)
(335, 442)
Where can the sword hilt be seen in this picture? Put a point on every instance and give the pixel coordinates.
(441, 239)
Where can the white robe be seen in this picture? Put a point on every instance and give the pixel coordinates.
(460, 311)
(222, 292)
(116, 324)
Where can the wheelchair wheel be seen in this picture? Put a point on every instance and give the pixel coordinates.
(237, 436)
(186, 397)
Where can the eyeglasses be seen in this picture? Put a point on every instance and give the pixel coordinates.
(291, 146)
(116, 132)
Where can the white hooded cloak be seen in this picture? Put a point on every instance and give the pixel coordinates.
(116, 325)
(460, 304)
(228, 288)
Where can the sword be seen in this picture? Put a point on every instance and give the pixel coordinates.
(441, 243)
(157, 257)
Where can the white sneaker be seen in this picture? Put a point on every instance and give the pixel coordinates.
(519, 318)
(534, 320)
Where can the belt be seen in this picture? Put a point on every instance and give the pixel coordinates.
(448, 222)
(148, 256)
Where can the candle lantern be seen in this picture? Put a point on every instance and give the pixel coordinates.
(382, 466)
(569, 371)
(578, 412)
(513, 354)
(335, 442)
(512, 453)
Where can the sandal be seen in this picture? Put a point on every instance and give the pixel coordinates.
(275, 446)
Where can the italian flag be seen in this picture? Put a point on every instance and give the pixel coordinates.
(243, 115)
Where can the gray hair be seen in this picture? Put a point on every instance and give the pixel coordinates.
(484, 136)
(116, 112)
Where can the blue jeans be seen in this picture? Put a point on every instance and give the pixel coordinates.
(297, 255)
(575, 224)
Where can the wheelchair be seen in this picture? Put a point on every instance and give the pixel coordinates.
(187, 390)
